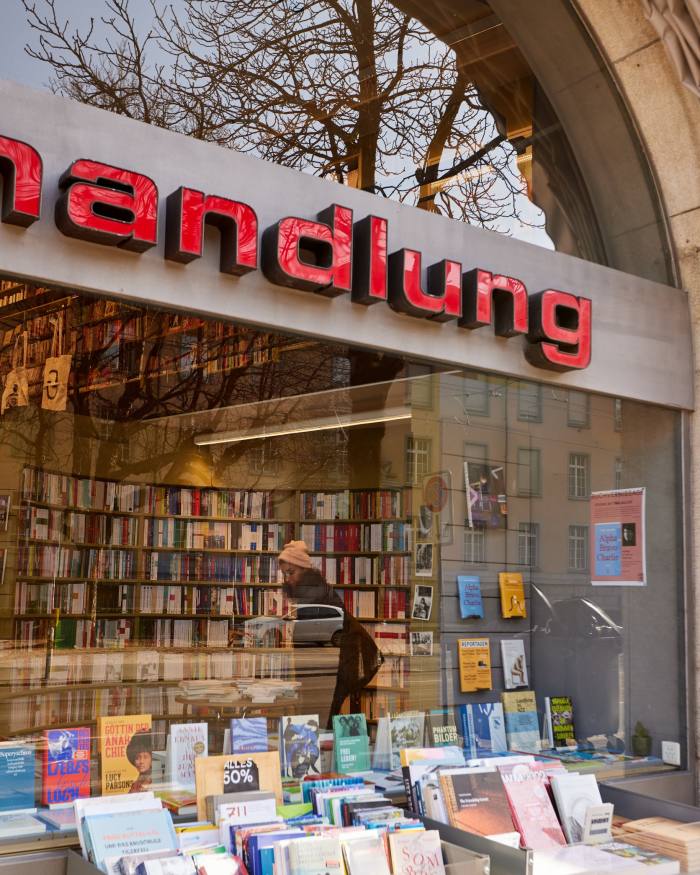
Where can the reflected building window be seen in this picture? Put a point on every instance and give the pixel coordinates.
(619, 468)
(529, 402)
(529, 472)
(578, 410)
(579, 475)
(578, 548)
(528, 544)
(617, 414)
(475, 545)
(476, 397)
(418, 451)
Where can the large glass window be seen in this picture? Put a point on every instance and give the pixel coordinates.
(152, 477)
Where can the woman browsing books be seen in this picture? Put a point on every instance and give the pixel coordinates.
(359, 658)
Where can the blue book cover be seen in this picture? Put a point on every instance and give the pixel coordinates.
(256, 843)
(249, 735)
(17, 789)
(483, 729)
(130, 832)
(608, 549)
(470, 601)
(522, 724)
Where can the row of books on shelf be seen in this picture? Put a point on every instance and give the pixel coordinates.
(67, 490)
(384, 570)
(393, 537)
(117, 633)
(26, 670)
(390, 604)
(58, 561)
(73, 598)
(74, 527)
(195, 535)
(351, 504)
(86, 704)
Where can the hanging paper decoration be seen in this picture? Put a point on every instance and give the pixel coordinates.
(54, 395)
(16, 390)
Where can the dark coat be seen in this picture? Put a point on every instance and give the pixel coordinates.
(359, 659)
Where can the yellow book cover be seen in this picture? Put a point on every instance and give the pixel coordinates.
(512, 594)
(474, 664)
(126, 753)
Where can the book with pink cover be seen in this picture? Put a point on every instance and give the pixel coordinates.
(416, 852)
(534, 816)
(535, 771)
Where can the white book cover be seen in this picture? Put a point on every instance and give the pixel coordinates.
(111, 804)
(574, 795)
(310, 856)
(364, 855)
(185, 742)
(12, 825)
(514, 664)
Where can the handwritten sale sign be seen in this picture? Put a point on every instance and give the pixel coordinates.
(618, 545)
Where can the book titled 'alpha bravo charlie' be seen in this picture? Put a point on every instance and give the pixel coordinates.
(126, 753)
(65, 765)
(185, 742)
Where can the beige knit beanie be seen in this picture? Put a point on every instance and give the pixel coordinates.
(296, 553)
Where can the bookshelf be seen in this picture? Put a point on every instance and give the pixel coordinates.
(108, 567)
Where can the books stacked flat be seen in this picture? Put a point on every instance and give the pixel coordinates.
(670, 837)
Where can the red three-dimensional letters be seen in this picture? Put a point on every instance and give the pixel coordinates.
(21, 173)
(188, 210)
(108, 205)
(314, 256)
(560, 334)
(443, 298)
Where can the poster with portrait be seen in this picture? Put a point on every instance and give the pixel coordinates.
(421, 643)
(435, 512)
(5, 504)
(618, 538)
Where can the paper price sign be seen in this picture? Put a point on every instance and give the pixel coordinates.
(241, 775)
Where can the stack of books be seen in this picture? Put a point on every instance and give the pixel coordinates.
(664, 836)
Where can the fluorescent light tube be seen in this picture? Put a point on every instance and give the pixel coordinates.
(327, 423)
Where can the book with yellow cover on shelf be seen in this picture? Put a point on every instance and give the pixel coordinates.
(510, 584)
(126, 753)
(474, 664)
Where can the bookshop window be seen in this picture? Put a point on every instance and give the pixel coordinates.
(579, 475)
(528, 544)
(529, 474)
(578, 548)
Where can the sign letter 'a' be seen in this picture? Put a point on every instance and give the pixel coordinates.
(108, 205)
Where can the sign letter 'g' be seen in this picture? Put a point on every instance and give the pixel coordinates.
(560, 331)
(108, 205)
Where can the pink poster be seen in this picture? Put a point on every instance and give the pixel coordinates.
(618, 544)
